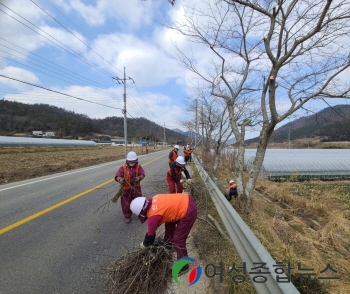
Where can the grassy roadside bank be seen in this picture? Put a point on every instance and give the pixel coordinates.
(304, 223)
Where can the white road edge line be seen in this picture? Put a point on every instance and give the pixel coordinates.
(57, 176)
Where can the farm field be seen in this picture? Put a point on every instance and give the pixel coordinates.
(20, 163)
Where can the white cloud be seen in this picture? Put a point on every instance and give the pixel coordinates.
(17, 73)
(127, 13)
(12, 25)
(62, 39)
(92, 15)
(144, 61)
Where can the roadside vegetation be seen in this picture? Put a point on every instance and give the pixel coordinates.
(306, 223)
(297, 222)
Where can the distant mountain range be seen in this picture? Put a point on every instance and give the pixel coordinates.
(189, 134)
(20, 118)
(330, 124)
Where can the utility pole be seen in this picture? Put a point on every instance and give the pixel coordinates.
(123, 81)
(164, 137)
(196, 127)
(202, 132)
(289, 139)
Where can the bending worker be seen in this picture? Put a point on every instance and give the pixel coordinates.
(231, 191)
(174, 175)
(129, 176)
(177, 213)
(173, 154)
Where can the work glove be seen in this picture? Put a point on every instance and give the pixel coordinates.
(189, 181)
(136, 179)
(167, 245)
(122, 180)
(148, 240)
(182, 181)
(142, 246)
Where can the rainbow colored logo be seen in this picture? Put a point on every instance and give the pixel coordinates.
(194, 274)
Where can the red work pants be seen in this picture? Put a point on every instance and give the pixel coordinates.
(173, 186)
(177, 232)
(128, 196)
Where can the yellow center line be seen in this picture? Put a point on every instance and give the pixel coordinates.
(33, 216)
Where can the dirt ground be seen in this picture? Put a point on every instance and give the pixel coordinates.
(20, 163)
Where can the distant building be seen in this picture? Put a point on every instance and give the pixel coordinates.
(37, 133)
(49, 134)
(43, 134)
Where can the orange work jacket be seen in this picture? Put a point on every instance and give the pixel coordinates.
(172, 207)
(127, 183)
(173, 156)
(232, 186)
(177, 170)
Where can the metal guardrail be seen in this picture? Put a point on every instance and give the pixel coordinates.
(249, 248)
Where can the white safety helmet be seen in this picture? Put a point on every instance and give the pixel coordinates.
(177, 147)
(188, 145)
(137, 204)
(180, 161)
(131, 158)
(232, 182)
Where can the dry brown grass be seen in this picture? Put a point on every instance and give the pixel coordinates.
(210, 245)
(311, 227)
(305, 143)
(299, 222)
(20, 163)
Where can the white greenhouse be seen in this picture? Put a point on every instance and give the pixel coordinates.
(303, 164)
(27, 141)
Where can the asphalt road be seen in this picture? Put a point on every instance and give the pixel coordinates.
(59, 233)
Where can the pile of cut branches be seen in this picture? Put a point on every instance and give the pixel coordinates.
(144, 271)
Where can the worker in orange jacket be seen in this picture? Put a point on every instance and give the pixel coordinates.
(177, 213)
(188, 153)
(231, 191)
(174, 175)
(129, 176)
(173, 154)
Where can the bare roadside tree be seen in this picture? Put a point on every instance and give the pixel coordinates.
(213, 117)
(269, 59)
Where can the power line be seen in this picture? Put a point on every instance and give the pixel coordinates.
(60, 68)
(144, 101)
(75, 36)
(76, 54)
(40, 96)
(57, 92)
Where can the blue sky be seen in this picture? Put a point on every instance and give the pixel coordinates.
(77, 47)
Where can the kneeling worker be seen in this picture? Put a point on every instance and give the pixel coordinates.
(231, 191)
(178, 214)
